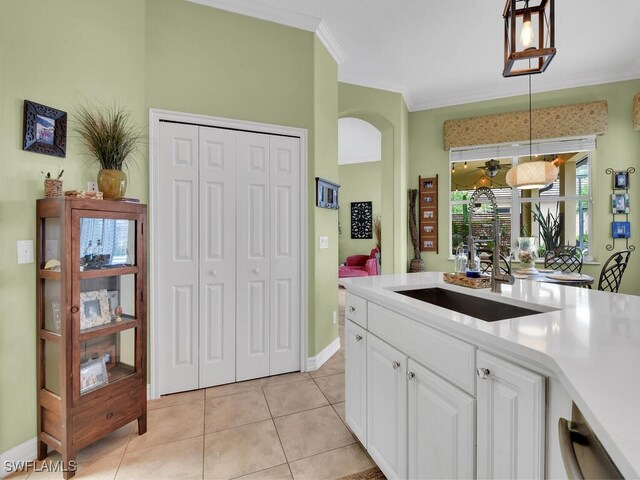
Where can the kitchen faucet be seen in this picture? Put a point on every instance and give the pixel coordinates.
(497, 278)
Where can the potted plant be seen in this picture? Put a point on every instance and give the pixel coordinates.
(111, 136)
(550, 227)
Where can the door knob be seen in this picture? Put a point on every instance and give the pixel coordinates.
(410, 375)
(358, 338)
(256, 270)
(352, 309)
(483, 373)
(396, 365)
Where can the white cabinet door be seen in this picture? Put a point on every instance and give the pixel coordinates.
(387, 407)
(217, 256)
(355, 339)
(284, 220)
(441, 426)
(178, 257)
(253, 234)
(511, 436)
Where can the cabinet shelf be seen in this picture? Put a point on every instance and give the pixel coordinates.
(108, 272)
(50, 274)
(109, 328)
(119, 372)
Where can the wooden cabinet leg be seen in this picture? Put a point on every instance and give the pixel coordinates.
(42, 450)
(142, 424)
(69, 465)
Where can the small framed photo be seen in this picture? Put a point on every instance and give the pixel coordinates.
(621, 229)
(427, 184)
(427, 244)
(429, 214)
(93, 374)
(427, 199)
(621, 180)
(45, 129)
(428, 229)
(620, 203)
(94, 309)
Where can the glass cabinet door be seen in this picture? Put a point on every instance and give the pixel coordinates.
(106, 300)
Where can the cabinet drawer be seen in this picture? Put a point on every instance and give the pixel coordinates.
(449, 357)
(103, 415)
(355, 309)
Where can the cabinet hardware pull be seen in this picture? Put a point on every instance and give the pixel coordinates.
(396, 365)
(75, 309)
(358, 338)
(109, 414)
(352, 309)
(569, 459)
(483, 373)
(410, 375)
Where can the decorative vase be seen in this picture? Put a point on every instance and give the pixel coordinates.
(52, 187)
(112, 183)
(527, 252)
(416, 265)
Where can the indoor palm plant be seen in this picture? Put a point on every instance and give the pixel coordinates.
(111, 136)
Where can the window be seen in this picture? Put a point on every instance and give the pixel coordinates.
(568, 199)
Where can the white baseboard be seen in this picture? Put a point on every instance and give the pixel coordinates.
(314, 363)
(25, 452)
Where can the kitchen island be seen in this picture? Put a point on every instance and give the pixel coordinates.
(498, 387)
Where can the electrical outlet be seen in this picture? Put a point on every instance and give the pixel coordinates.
(335, 317)
(92, 186)
(324, 242)
(25, 251)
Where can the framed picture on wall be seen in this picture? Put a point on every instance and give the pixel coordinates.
(45, 129)
(621, 180)
(621, 229)
(620, 203)
(327, 194)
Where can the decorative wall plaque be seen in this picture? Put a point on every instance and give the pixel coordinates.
(361, 220)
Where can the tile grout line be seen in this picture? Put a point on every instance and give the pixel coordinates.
(277, 432)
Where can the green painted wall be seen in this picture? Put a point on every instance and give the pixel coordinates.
(359, 182)
(323, 275)
(619, 148)
(56, 53)
(167, 54)
(388, 113)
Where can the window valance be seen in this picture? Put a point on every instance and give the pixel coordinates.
(636, 112)
(577, 120)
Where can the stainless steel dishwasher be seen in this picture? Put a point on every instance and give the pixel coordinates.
(583, 455)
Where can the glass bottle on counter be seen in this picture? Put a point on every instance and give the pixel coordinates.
(460, 260)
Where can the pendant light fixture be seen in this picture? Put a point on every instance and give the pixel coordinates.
(532, 174)
(534, 20)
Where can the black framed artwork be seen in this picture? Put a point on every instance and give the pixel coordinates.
(621, 180)
(45, 129)
(361, 220)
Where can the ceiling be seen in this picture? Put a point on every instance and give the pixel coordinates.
(446, 52)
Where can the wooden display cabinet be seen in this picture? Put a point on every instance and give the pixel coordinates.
(92, 322)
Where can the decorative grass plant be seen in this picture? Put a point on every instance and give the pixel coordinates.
(110, 135)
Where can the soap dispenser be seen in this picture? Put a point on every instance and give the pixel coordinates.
(460, 260)
(473, 266)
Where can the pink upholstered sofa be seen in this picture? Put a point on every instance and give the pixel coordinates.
(359, 265)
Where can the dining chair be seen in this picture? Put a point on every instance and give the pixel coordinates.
(566, 258)
(486, 262)
(611, 274)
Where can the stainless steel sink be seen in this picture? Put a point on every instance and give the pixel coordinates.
(476, 307)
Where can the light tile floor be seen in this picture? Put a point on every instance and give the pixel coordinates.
(282, 427)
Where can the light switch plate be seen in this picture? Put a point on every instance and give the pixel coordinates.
(324, 242)
(25, 251)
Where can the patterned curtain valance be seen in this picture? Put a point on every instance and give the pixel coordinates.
(552, 122)
(636, 112)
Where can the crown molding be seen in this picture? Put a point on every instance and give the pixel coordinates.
(549, 87)
(325, 35)
(283, 17)
(378, 86)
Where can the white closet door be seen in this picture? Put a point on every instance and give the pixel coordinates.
(284, 240)
(177, 257)
(253, 233)
(217, 256)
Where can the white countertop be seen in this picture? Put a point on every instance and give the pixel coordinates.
(591, 343)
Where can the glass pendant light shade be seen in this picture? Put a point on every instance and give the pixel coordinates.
(530, 175)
